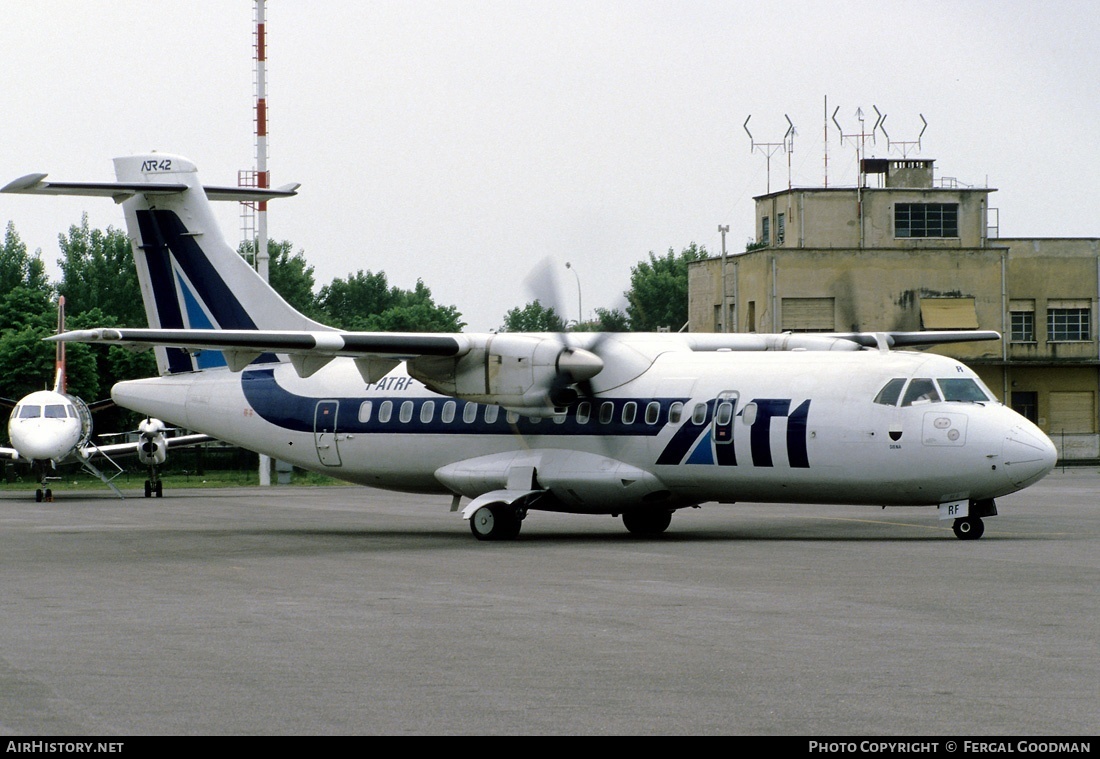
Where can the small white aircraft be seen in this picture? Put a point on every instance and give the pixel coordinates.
(637, 425)
(51, 427)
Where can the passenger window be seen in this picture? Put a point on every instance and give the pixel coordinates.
(920, 391)
(469, 413)
(385, 411)
(888, 395)
(699, 415)
(962, 389)
(630, 412)
(652, 412)
(491, 413)
(427, 411)
(448, 415)
(584, 412)
(675, 412)
(724, 413)
(560, 414)
(511, 417)
(406, 414)
(607, 410)
(364, 411)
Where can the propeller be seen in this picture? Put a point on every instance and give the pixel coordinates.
(576, 365)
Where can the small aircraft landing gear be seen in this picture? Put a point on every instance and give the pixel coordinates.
(647, 521)
(496, 521)
(154, 488)
(969, 528)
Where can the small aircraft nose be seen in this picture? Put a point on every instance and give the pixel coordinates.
(1028, 455)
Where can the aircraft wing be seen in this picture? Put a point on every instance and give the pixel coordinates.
(123, 449)
(8, 453)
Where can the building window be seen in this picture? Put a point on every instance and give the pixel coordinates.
(1026, 404)
(1067, 321)
(780, 228)
(926, 220)
(766, 231)
(1021, 324)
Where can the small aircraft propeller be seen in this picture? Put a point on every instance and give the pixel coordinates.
(576, 365)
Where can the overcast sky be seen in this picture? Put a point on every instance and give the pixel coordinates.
(463, 143)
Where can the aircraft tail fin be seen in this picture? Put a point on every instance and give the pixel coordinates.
(190, 276)
(61, 382)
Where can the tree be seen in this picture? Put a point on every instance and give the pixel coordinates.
(17, 268)
(534, 317)
(365, 302)
(607, 320)
(97, 271)
(658, 294)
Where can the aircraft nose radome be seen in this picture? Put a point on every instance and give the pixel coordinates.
(1028, 455)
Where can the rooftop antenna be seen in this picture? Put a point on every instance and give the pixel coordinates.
(904, 145)
(771, 148)
(859, 139)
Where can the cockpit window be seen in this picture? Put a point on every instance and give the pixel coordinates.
(888, 395)
(920, 390)
(55, 411)
(962, 389)
(30, 412)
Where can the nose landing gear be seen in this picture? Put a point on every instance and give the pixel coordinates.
(968, 528)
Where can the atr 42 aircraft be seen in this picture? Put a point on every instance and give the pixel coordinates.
(52, 427)
(637, 425)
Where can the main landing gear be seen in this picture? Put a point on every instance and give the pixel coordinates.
(154, 488)
(968, 528)
(497, 521)
(41, 495)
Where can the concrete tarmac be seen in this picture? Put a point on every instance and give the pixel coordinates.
(352, 611)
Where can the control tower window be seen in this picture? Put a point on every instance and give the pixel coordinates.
(926, 220)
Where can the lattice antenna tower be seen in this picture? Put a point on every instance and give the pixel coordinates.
(254, 214)
(768, 149)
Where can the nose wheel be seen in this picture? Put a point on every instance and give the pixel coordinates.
(970, 528)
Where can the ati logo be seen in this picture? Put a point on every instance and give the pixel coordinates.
(710, 441)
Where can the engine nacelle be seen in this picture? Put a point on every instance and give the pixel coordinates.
(526, 373)
(152, 444)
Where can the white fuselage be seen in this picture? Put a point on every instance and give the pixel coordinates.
(694, 427)
(45, 426)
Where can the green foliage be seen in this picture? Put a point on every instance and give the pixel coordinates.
(658, 294)
(534, 317)
(17, 268)
(365, 302)
(26, 362)
(97, 271)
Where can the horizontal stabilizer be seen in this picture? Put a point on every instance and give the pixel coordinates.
(36, 184)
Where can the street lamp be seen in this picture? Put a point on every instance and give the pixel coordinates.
(580, 311)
